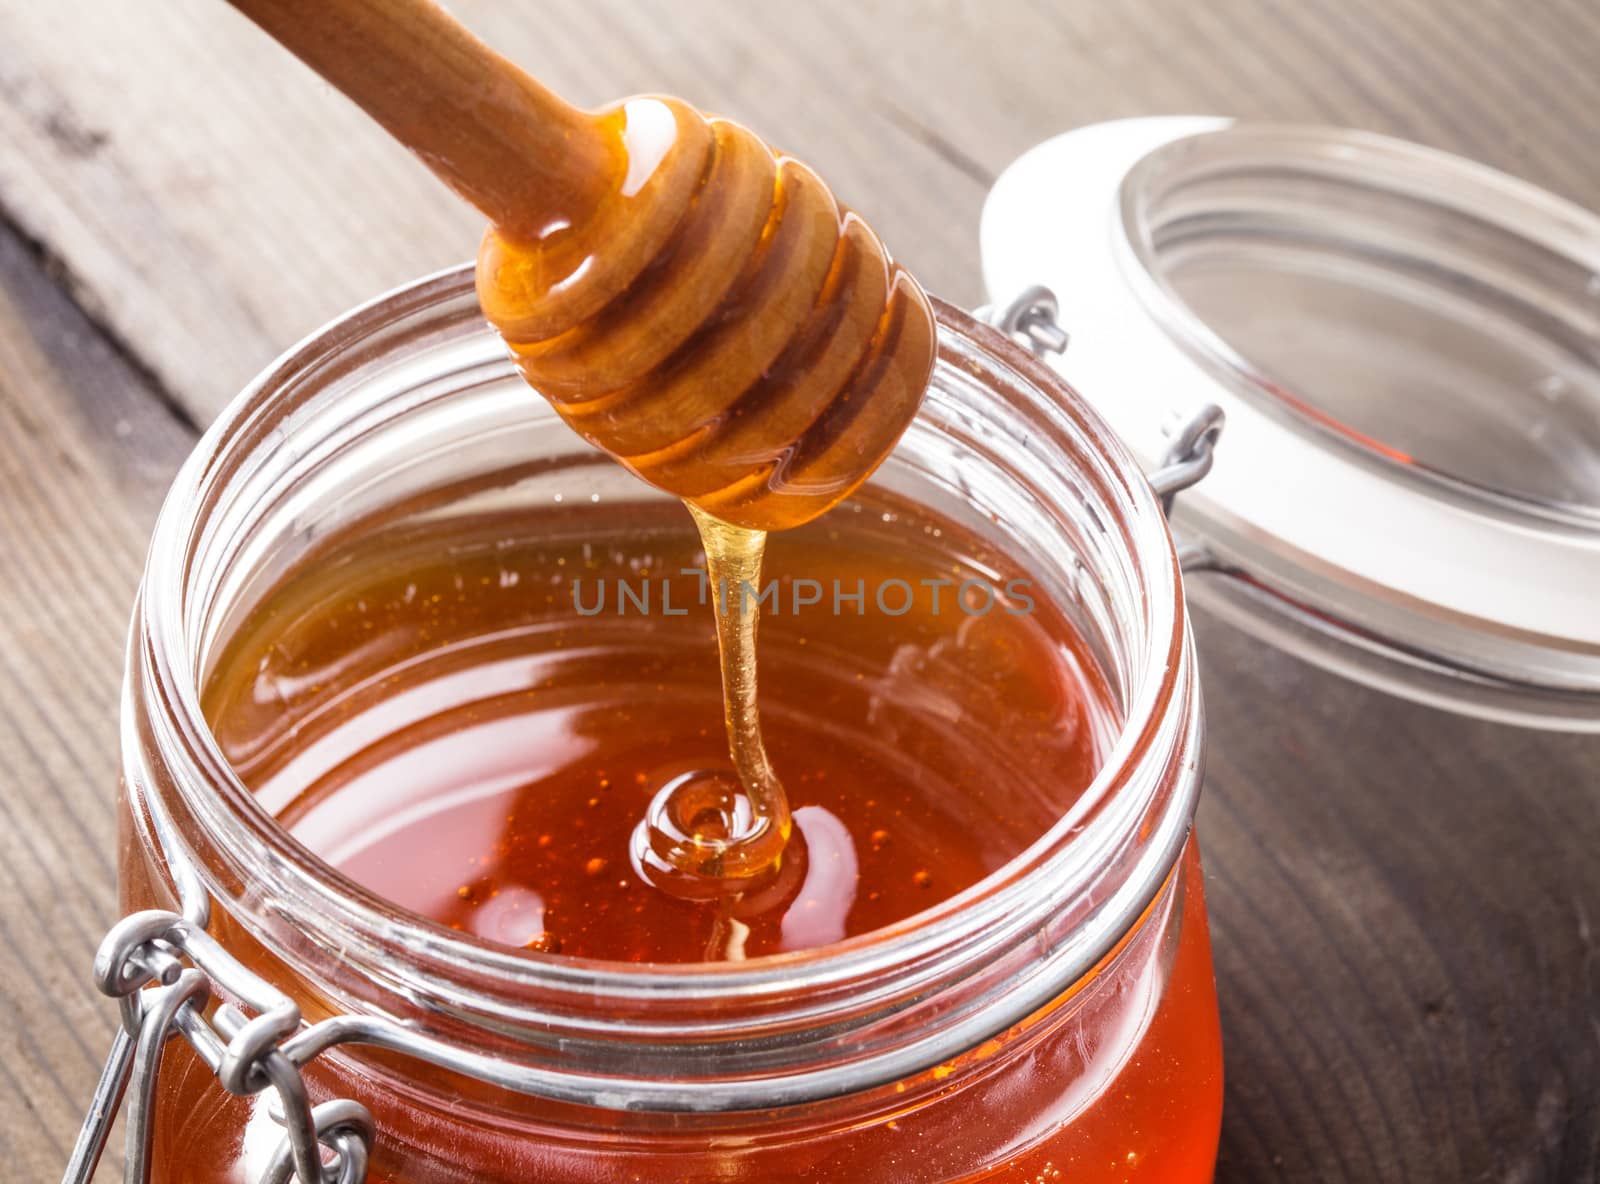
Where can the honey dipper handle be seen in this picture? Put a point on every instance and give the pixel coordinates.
(518, 152)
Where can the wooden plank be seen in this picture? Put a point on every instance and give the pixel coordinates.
(86, 451)
(212, 202)
(1404, 907)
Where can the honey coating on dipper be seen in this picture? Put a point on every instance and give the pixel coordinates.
(718, 323)
(727, 331)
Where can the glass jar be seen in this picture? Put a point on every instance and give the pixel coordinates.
(1056, 1021)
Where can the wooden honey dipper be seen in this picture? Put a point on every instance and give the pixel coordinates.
(689, 300)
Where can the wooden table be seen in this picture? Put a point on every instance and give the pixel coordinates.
(1409, 969)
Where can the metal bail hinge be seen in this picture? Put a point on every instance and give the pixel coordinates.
(1190, 455)
(164, 970)
(1031, 319)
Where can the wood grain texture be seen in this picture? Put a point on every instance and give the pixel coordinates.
(1405, 907)
(86, 451)
(1405, 904)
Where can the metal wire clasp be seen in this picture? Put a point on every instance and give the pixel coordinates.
(1190, 455)
(165, 970)
(1030, 318)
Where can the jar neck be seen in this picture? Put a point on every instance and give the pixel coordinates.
(999, 434)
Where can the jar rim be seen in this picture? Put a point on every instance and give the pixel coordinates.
(476, 977)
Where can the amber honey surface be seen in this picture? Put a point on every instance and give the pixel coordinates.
(469, 716)
(438, 709)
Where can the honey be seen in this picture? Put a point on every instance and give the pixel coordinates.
(471, 717)
(1122, 1085)
(694, 834)
(468, 714)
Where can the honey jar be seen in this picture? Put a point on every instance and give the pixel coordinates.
(1019, 984)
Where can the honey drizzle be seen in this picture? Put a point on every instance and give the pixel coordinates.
(701, 838)
(734, 557)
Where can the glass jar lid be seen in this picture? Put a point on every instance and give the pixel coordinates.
(1406, 346)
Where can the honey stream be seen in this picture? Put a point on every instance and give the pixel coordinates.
(702, 828)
